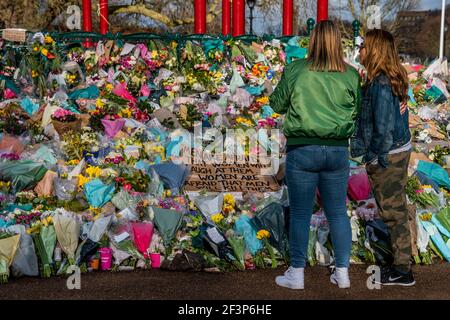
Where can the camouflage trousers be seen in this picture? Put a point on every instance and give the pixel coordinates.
(388, 187)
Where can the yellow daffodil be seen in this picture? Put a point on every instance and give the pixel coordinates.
(263, 100)
(82, 180)
(34, 74)
(275, 115)
(99, 103)
(241, 120)
(44, 52)
(167, 193)
(229, 199)
(426, 216)
(4, 184)
(95, 211)
(73, 162)
(36, 49)
(125, 113)
(217, 218)
(227, 209)
(263, 234)
(93, 172)
(109, 87)
(48, 40)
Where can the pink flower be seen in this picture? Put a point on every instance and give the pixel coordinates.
(127, 186)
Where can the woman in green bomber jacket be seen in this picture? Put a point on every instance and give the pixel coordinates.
(320, 97)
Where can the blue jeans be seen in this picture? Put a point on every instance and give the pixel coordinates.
(326, 168)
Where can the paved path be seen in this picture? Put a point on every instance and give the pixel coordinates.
(433, 282)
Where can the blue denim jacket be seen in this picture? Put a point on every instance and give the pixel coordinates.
(381, 127)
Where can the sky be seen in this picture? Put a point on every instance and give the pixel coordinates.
(431, 4)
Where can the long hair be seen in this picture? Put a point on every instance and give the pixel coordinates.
(382, 57)
(325, 48)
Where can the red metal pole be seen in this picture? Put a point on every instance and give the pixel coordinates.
(87, 20)
(200, 16)
(226, 17)
(288, 14)
(322, 10)
(104, 23)
(238, 17)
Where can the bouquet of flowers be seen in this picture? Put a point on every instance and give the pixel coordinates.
(13, 119)
(133, 180)
(9, 244)
(423, 196)
(438, 155)
(264, 235)
(65, 121)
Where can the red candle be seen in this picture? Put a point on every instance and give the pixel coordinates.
(322, 10)
(200, 16)
(104, 23)
(87, 20)
(238, 17)
(226, 17)
(288, 14)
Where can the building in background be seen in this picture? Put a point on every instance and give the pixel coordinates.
(417, 33)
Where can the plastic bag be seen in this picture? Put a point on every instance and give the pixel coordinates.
(209, 205)
(65, 189)
(244, 227)
(123, 200)
(67, 228)
(323, 256)
(271, 218)
(97, 193)
(8, 248)
(217, 243)
(86, 249)
(437, 239)
(25, 261)
(99, 228)
(377, 234)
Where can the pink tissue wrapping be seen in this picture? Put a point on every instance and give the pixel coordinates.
(359, 187)
(112, 127)
(9, 94)
(143, 50)
(12, 144)
(145, 91)
(121, 91)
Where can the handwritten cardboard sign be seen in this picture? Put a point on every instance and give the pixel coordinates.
(234, 177)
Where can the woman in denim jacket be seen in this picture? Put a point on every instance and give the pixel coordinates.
(384, 140)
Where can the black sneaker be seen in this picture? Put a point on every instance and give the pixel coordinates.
(391, 277)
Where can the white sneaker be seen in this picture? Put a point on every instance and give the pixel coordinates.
(340, 277)
(294, 278)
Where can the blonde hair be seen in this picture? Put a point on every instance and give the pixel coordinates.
(382, 58)
(325, 48)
